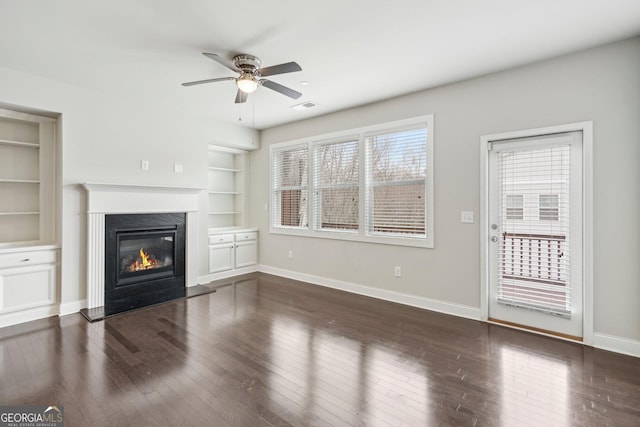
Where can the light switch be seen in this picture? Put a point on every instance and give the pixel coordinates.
(177, 168)
(466, 217)
(144, 165)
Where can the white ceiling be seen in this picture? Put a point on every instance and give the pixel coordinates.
(352, 52)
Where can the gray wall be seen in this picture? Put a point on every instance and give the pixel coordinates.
(600, 85)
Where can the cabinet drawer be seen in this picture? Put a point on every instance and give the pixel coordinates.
(246, 236)
(20, 259)
(220, 238)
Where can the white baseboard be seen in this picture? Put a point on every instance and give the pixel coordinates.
(72, 307)
(617, 344)
(28, 315)
(383, 294)
(203, 280)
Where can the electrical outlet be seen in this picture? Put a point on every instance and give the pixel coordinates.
(290, 253)
(397, 271)
(466, 217)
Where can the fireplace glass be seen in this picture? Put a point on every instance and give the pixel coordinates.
(145, 255)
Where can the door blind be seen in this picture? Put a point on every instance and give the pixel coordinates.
(336, 186)
(534, 224)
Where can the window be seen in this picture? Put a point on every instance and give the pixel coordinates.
(548, 207)
(336, 189)
(396, 172)
(290, 187)
(372, 184)
(515, 206)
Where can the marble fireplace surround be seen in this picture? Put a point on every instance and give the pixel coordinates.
(105, 199)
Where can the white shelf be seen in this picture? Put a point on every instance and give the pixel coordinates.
(19, 143)
(218, 169)
(230, 193)
(18, 213)
(224, 213)
(20, 181)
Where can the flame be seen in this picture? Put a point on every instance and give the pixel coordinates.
(146, 262)
(145, 259)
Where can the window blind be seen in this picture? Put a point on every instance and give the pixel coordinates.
(336, 185)
(290, 187)
(396, 182)
(534, 252)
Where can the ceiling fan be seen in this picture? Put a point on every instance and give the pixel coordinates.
(250, 75)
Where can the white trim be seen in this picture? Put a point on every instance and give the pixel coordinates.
(459, 310)
(96, 186)
(587, 239)
(104, 199)
(222, 149)
(28, 315)
(203, 280)
(72, 307)
(343, 136)
(616, 344)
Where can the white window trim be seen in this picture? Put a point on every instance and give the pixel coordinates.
(360, 235)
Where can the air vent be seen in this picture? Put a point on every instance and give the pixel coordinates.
(303, 106)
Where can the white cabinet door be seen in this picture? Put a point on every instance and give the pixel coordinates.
(221, 257)
(22, 288)
(246, 253)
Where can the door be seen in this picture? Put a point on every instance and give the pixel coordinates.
(246, 253)
(221, 257)
(535, 232)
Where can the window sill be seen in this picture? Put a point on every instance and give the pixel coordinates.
(355, 237)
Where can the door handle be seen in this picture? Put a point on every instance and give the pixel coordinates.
(494, 239)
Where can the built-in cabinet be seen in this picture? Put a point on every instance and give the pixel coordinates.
(233, 245)
(28, 244)
(28, 281)
(233, 250)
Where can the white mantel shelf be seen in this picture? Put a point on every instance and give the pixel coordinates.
(108, 199)
(132, 198)
(95, 186)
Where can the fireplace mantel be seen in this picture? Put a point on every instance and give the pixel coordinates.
(125, 198)
(106, 199)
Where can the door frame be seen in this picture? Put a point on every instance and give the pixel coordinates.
(587, 215)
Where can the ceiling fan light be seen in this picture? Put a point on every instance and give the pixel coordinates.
(247, 84)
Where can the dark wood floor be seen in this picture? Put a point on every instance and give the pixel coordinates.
(270, 351)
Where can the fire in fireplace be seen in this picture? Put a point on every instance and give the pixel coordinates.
(145, 252)
(144, 260)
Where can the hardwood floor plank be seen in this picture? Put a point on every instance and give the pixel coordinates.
(269, 351)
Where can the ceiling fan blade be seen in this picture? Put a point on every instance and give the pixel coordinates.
(289, 67)
(223, 61)
(199, 82)
(281, 89)
(241, 97)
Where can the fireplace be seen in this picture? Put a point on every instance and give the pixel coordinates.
(144, 260)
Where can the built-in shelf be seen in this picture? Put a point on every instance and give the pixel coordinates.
(20, 181)
(226, 187)
(219, 169)
(27, 179)
(19, 143)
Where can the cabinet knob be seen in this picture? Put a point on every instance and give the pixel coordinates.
(25, 260)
